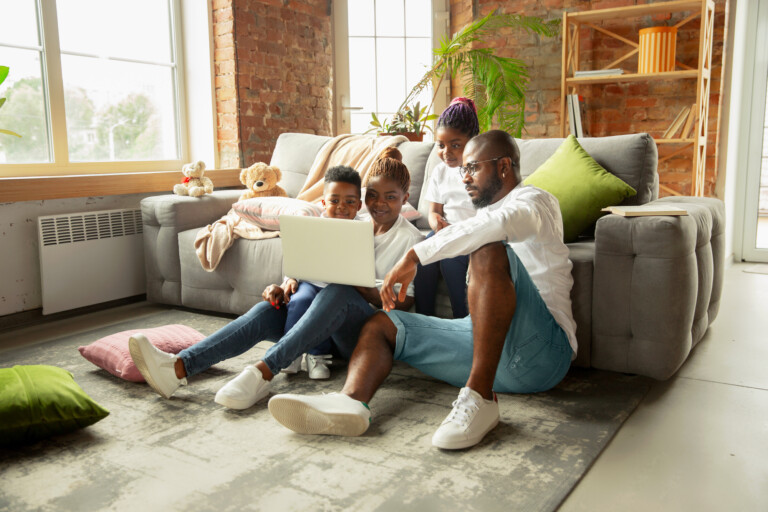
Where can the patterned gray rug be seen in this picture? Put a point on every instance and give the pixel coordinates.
(189, 453)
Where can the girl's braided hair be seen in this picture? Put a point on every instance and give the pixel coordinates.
(460, 115)
(390, 165)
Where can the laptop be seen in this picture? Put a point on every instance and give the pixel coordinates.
(328, 250)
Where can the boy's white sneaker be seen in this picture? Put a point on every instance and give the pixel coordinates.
(332, 414)
(157, 367)
(294, 367)
(317, 366)
(471, 418)
(244, 390)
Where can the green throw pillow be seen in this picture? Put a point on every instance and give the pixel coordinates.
(581, 185)
(38, 401)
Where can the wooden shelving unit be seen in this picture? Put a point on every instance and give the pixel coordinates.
(704, 9)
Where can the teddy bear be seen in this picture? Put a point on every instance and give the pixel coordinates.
(261, 180)
(193, 184)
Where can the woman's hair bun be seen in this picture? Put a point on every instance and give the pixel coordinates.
(391, 152)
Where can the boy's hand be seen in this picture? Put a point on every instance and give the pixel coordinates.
(289, 288)
(274, 294)
(403, 272)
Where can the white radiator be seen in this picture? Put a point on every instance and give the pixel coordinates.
(90, 257)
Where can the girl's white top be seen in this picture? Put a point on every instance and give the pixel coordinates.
(445, 187)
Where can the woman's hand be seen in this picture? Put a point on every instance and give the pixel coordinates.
(403, 273)
(371, 295)
(275, 295)
(289, 288)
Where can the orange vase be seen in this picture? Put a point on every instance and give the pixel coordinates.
(657, 49)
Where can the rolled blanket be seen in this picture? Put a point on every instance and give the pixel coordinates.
(213, 240)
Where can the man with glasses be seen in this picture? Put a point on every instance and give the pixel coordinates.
(519, 337)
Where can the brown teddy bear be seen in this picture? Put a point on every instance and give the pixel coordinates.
(261, 180)
(193, 184)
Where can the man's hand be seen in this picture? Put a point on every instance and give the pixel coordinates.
(275, 295)
(403, 272)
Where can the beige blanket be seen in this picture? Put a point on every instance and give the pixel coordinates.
(214, 239)
(356, 151)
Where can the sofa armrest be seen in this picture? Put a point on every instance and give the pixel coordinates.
(645, 290)
(163, 218)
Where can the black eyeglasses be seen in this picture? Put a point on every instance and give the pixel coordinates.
(471, 168)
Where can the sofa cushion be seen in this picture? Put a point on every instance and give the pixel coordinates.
(581, 186)
(265, 211)
(37, 401)
(294, 154)
(633, 158)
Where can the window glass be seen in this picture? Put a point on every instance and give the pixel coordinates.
(360, 16)
(418, 18)
(390, 74)
(24, 111)
(20, 29)
(389, 18)
(362, 66)
(118, 111)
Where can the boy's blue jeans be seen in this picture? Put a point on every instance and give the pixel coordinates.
(338, 312)
(297, 306)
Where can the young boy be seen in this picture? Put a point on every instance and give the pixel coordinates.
(341, 200)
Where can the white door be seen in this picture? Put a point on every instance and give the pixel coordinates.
(755, 237)
(382, 48)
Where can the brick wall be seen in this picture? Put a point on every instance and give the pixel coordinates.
(612, 108)
(273, 73)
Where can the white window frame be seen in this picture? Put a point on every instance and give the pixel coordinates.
(53, 84)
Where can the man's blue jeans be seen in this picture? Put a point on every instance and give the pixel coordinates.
(338, 312)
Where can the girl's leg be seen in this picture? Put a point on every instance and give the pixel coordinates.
(454, 272)
(339, 310)
(298, 305)
(425, 286)
(261, 322)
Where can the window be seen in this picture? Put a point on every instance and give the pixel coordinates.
(388, 44)
(93, 87)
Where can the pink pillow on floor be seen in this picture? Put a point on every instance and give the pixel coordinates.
(111, 352)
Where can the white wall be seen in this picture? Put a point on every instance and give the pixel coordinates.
(19, 250)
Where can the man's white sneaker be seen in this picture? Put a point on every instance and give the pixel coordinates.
(157, 367)
(332, 414)
(244, 390)
(294, 367)
(317, 366)
(471, 418)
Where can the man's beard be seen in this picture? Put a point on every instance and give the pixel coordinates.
(485, 196)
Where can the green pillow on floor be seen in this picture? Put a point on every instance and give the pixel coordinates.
(38, 401)
(581, 185)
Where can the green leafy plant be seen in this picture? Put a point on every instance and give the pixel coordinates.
(3, 75)
(496, 84)
(407, 119)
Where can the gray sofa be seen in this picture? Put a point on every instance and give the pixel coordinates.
(645, 288)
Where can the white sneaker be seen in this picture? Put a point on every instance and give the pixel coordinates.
(333, 414)
(471, 418)
(294, 367)
(157, 367)
(244, 390)
(317, 366)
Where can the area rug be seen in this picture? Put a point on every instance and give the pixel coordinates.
(757, 268)
(190, 454)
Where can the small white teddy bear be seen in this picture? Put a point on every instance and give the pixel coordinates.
(193, 184)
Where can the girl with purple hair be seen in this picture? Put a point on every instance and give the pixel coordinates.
(448, 203)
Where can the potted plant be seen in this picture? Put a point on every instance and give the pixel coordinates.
(408, 121)
(496, 84)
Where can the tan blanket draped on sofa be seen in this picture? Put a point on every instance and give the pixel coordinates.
(356, 151)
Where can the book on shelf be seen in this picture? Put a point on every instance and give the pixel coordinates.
(598, 72)
(577, 114)
(645, 210)
(677, 123)
(571, 117)
(689, 123)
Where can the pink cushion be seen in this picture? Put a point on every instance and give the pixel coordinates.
(111, 352)
(265, 211)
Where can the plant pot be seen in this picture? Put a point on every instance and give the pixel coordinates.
(412, 136)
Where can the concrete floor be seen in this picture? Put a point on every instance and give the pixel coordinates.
(699, 441)
(696, 443)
